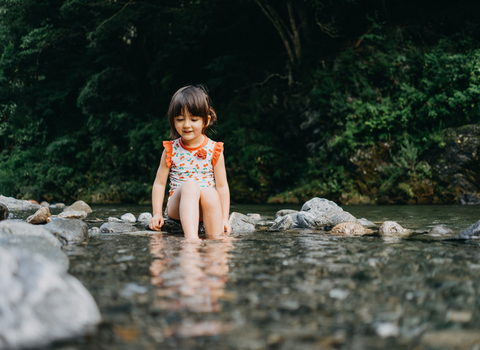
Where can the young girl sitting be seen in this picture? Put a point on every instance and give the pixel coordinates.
(198, 180)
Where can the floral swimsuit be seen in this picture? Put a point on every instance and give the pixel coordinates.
(192, 164)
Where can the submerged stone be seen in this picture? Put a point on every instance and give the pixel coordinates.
(392, 228)
(473, 232)
(117, 227)
(440, 231)
(350, 229)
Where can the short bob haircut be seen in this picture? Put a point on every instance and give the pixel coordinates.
(196, 101)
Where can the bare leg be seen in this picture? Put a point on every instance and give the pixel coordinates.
(184, 206)
(211, 211)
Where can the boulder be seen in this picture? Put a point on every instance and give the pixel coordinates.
(4, 213)
(73, 214)
(40, 216)
(337, 217)
(37, 245)
(17, 228)
(392, 228)
(128, 217)
(351, 229)
(473, 232)
(240, 222)
(320, 205)
(314, 219)
(117, 227)
(68, 231)
(145, 217)
(18, 204)
(284, 212)
(40, 302)
(440, 231)
(79, 206)
(282, 223)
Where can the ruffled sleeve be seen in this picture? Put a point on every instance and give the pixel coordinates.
(168, 149)
(217, 150)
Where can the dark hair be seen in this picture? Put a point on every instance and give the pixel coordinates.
(196, 101)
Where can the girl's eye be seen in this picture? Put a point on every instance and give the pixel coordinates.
(179, 119)
(194, 119)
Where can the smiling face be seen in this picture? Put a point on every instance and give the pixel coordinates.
(190, 128)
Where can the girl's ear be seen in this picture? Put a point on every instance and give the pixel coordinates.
(208, 120)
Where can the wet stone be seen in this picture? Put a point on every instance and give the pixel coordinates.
(68, 231)
(4, 213)
(366, 223)
(240, 222)
(282, 223)
(284, 212)
(350, 229)
(17, 204)
(117, 227)
(128, 217)
(337, 217)
(440, 231)
(392, 228)
(40, 216)
(473, 232)
(145, 217)
(73, 215)
(45, 204)
(78, 206)
(320, 205)
(94, 231)
(16, 228)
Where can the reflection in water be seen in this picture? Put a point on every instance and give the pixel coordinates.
(190, 276)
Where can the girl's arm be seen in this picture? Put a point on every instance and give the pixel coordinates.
(223, 191)
(158, 193)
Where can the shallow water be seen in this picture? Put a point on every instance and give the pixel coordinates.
(285, 290)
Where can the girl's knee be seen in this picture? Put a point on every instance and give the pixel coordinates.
(190, 187)
(209, 197)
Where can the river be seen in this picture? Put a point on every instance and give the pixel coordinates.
(298, 289)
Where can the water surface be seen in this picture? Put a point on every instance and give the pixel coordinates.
(298, 289)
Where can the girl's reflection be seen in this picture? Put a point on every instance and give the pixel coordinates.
(189, 275)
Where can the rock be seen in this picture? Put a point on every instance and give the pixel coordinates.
(17, 204)
(41, 303)
(94, 231)
(171, 226)
(440, 231)
(364, 222)
(310, 220)
(128, 217)
(68, 231)
(10, 216)
(45, 204)
(37, 245)
(240, 222)
(4, 214)
(284, 212)
(112, 219)
(117, 227)
(145, 217)
(320, 205)
(79, 206)
(337, 217)
(282, 223)
(472, 232)
(40, 216)
(451, 339)
(17, 228)
(72, 215)
(59, 205)
(391, 228)
(350, 229)
(254, 216)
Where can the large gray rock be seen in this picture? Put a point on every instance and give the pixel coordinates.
(39, 246)
(320, 205)
(314, 219)
(473, 232)
(3, 212)
(68, 231)
(40, 303)
(337, 217)
(310, 220)
(240, 222)
(79, 206)
(18, 204)
(16, 228)
(284, 212)
(117, 227)
(282, 223)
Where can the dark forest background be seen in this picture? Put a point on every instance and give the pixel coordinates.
(347, 99)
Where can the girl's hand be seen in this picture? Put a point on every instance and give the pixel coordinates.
(226, 226)
(156, 222)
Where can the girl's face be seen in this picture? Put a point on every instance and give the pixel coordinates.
(190, 128)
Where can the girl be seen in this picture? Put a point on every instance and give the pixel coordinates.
(198, 180)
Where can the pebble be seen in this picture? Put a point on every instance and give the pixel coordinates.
(128, 217)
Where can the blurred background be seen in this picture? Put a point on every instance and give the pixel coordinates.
(358, 101)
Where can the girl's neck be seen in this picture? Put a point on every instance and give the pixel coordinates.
(197, 142)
